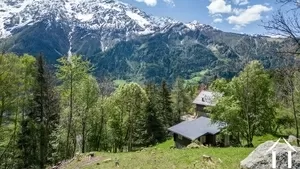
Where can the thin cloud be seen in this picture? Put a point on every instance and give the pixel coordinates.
(240, 2)
(237, 27)
(238, 11)
(170, 2)
(218, 20)
(217, 15)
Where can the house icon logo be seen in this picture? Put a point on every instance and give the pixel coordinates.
(292, 149)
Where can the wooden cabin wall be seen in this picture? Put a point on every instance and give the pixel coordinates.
(180, 141)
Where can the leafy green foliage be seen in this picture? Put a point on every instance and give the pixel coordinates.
(11, 83)
(72, 72)
(247, 105)
(129, 103)
(88, 97)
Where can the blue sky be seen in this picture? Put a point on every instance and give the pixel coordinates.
(242, 16)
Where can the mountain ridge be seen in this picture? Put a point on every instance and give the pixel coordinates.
(125, 42)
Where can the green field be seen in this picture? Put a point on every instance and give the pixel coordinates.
(162, 157)
(222, 158)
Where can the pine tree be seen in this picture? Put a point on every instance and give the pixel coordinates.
(27, 144)
(181, 102)
(165, 101)
(150, 130)
(154, 117)
(39, 125)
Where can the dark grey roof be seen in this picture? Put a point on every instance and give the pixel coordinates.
(196, 128)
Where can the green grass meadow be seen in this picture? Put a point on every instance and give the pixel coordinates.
(162, 157)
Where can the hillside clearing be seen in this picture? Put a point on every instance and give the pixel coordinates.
(223, 158)
(161, 156)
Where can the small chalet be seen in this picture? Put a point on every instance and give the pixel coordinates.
(201, 129)
(204, 99)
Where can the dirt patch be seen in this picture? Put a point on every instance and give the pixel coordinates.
(91, 161)
(85, 161)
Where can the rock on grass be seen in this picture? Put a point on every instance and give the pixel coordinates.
(261, 159)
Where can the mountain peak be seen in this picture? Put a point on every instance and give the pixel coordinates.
(90, 14)
(99, 24)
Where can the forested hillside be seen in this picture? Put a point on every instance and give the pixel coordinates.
(49, 116)
(183, 52)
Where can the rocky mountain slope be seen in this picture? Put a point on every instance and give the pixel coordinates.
(126, 43)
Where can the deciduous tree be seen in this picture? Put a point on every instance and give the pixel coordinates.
(71, 71)
(247, 105)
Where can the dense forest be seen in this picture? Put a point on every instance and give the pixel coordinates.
(48, 116)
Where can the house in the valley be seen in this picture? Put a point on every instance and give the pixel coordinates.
(201, 129)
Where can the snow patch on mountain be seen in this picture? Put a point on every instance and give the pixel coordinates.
(139, 19)
(191, 26)
(145, 32)
(84, 17)
(194, 25)
(70, 36)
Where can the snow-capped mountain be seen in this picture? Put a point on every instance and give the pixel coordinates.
(111, 20)
(89, 14)
(108, 21)
(124, 41)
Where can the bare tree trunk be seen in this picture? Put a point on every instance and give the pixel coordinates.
(115, 148)
(83, 136)
(74, 144)
(100, 133)
(2, 110)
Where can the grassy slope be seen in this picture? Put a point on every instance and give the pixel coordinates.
(161, 157)
(196, 77)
